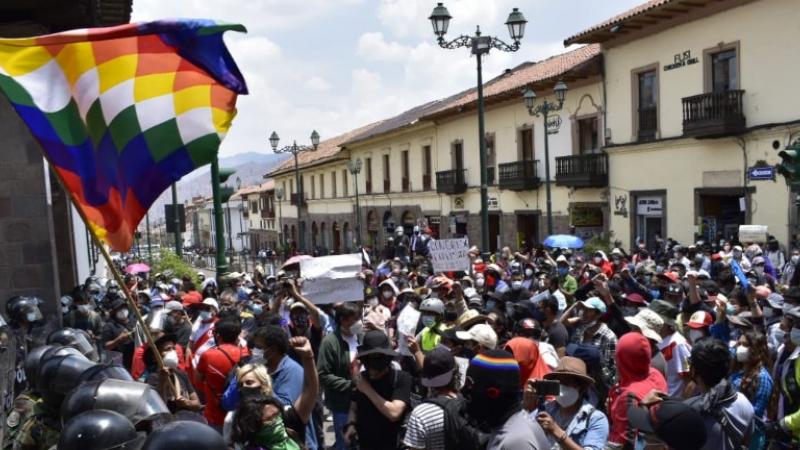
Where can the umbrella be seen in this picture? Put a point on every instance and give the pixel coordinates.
(295, 260)
(563, 241)
(137, 268)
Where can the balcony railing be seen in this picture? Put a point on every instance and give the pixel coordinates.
(582, 170)
(519, 176)
(293, 199)
(451, 181)
(714, 114)
(648, 122)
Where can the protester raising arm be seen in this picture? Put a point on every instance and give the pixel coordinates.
(314, 313)
(304, 405)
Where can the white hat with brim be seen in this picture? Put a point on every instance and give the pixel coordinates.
(481, 333)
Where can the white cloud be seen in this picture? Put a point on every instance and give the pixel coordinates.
(373, 47)
(318, 84)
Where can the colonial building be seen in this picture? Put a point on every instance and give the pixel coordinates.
(698, 95)
(262, 216)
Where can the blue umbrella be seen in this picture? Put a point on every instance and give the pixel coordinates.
(563, 241)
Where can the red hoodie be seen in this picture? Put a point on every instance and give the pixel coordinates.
(635, 376)
(531, 364)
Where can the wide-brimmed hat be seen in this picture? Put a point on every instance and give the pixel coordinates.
(375, 342)
(649, 322)
(469, 318)
(665, 310)
(570, 367)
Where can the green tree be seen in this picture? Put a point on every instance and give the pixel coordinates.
(169, 262)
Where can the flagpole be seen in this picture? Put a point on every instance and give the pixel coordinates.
(120, 281)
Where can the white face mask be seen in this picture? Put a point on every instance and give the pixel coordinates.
(480, 282)
(528, 273)
(257, 353)
(742, 353)
(387, 294)
(170, 359)
(357, 328)
(427, 321)
(205, 315)
(64, 309)
(795, 259)
(84, 308)
(568, 396)
(695, 335)
(794, 336)
(31, 317)
(598, 259)
(122, 314)
(373, 301)
(516, 284)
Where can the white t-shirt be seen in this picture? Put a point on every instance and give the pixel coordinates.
(676, 352)
(425, 428)
(352, 344)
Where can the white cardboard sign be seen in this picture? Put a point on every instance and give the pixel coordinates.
(449, 254)
(752, 233)
(331, 279)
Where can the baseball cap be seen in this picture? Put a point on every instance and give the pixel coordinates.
(649, 322)
(438, 368)
(562, 259)
(594, 303)
(700, 319)
(481, 333)
(672, 421)
(173, 306)
(211, 302)
(635, 298)
(672, 277)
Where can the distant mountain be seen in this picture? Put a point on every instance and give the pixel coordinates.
(250, 168)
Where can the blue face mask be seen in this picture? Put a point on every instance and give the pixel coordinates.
(257, 309)
(563, 271)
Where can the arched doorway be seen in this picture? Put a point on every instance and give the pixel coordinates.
(372, 228)
(326, 241)
(314, 236)
(408, 221)
(337, 238)
(388, 222)
(349, 241)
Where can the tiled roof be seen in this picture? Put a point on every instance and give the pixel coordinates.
(327, 149)
(265, 186)
(514, 81)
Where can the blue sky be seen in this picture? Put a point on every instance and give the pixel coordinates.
(334, 65)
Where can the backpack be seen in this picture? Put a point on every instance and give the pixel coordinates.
(458, 432)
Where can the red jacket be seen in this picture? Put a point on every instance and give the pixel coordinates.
(635, 377)
(138, 367)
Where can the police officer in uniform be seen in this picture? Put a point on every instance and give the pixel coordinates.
(99, 429)
(23, 313)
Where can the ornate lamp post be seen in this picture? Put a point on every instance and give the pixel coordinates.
(355, 168)
(479, 45)
(295, 150)
(281, 237)
(544, 109)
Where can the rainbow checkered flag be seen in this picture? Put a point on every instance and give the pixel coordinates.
(123, 112)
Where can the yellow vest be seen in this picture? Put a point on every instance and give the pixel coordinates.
(429, 338)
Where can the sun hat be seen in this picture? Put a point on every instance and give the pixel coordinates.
(481, 333)
(375, 342)
(665, 310)
(211, 302)
(648, 322)
(570, 367)
(469, 318)
(173, 306)
(438, 368)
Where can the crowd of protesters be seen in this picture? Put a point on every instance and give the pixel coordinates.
(673, 347)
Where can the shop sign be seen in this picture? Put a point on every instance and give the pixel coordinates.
(681, 60)
(553, 124)
(650, 206)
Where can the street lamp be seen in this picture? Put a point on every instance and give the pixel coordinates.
(355, 168)
(529, 98)
(480, 45)
(241, 226)
(295, 150)
(281, 237)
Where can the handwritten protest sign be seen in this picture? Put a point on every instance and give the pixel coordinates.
(406, 326)
(330, 279)
(449, 254)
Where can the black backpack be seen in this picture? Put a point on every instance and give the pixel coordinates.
(459, 433)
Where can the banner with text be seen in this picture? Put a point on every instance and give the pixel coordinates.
(331, 279)
(449, 254)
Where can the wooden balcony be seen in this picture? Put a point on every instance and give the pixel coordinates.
(582, 170)
(451, 181)
(519, 175)
(714, 114)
